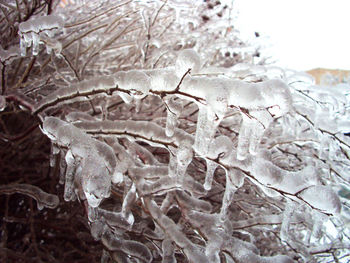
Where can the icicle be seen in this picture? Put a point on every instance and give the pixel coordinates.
(211, 167)
(227, 199)
(129, 200)
(96, 159)
(168, 255)
(319, 219)
(234, 180)
(53, 154)
(28, 40)
(245, 131)
(206, 129)
(63, 168)
(172, 166)
(69, 181)
(263, 120)
(184, 157)
(35, 39)
(287, 217)
(23, 46)
(167, 202)
(171, 123)
(213, 248)
(137, 104)
(174, 109)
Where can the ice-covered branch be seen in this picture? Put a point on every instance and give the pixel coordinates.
(40, 29)
(42, 198)
(90, 163)
(176, 140)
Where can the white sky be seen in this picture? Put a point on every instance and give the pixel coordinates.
(304, 34)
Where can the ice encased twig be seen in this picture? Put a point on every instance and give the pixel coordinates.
(31, 31)
(43, 199)
(97, 160)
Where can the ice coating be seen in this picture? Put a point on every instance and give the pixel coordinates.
(42, 198)
(173, 112)
(31, 31)
(211, 167)
(168, 252)
(128, 202)
(322, 198)
(243, 128)
(7, 56)
(90, 163)
(92, 87)
(136, 249)
(41, 23)
(187, 59)
(2, 103)
(137, 82)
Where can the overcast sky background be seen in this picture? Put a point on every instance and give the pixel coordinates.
(299, 34)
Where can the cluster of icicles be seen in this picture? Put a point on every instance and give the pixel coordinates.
(40, 30)
(92, 166)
